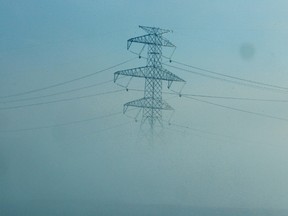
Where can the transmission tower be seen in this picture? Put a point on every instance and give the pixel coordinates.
(152, 103)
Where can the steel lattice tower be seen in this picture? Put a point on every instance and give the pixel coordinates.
(152, 103)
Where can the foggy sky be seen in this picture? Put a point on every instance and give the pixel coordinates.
(232, 159)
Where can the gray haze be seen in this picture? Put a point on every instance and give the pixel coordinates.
(210, 161)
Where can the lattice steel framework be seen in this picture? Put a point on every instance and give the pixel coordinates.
(152, 103)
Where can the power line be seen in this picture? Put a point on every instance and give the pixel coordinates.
(57, 93)
(237, 109)
(62, 124)
(241, 81)
(112, 127)
(233, 77)
(194, 72)
(235, 98)
(217, 97)
(60, 100)
(225, 80)
(212, 133)
(66, 82)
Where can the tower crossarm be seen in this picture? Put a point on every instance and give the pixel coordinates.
(154, 30)
(151, 103)
(164, 74)
(150, 39)
(145, 72)
(134, 72)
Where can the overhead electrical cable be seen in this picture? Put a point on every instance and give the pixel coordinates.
(222, 136)
(233, 77)
(60, 100)
(218, 97)
(112, 127)
(57, 93)
(241, 81)
(235, 98)
(197, 130)
(63, 124)
(237, 109)
(66, 82)
(225, 80)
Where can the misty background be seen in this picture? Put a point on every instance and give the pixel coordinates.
(85, 152)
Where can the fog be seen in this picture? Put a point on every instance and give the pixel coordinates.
(67, 149)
